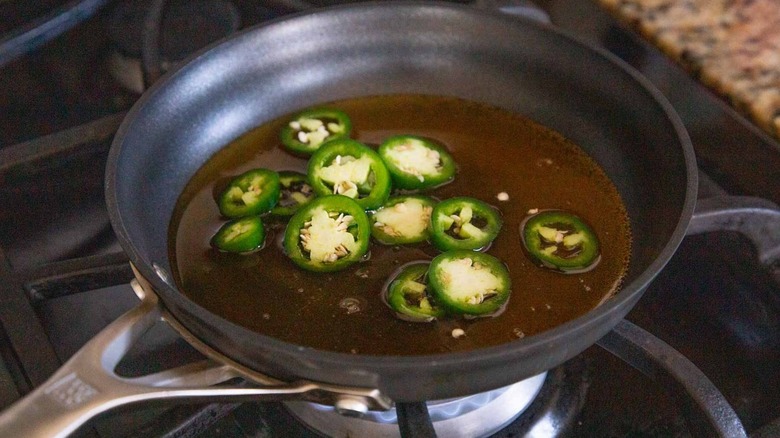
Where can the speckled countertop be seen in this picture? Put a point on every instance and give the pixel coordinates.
(733, 46)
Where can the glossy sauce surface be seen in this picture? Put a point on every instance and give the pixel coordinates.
(496, 151)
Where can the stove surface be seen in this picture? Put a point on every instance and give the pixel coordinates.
(64, 276)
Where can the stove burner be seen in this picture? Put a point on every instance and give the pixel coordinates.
(477, 415)
(187, 26)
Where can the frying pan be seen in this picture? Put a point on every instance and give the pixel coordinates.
(370, 49)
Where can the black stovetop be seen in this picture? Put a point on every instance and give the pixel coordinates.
(64, 276)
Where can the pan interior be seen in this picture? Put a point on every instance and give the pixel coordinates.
(496, 152)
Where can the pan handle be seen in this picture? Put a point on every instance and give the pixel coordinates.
(87, 385)
(756, 218)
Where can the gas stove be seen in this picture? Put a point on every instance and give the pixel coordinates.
(698, 356)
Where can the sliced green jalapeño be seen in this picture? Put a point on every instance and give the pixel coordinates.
(308, 130)
(416, 163)
(349, 168)
(327, 234)
(410, 297)
(469, 283)
(464, 223)
(402, 220)
(295, 191)
(240, 235)
(250, 194)
(561, 241)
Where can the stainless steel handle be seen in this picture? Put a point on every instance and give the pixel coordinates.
(87, 385)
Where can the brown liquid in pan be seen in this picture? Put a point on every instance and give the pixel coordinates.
(496, 151)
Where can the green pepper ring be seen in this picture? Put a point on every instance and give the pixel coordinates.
(584, 260)
(287, 178)
(451, 305)
(331, 203)
(387, 239)
(248, 240)
(441, 214)
(230, 207)
(325, 155)
(289, 138)
(405, 180)
(396, 295)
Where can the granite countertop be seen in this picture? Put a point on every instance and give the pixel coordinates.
(732, 46)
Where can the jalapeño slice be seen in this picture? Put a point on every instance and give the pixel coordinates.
(250, 194)
(402, 220)
(409, 295)
(327, 234)
(561, 241)
(464, 223)
(240, 235)
(295, 191)
(308, 130)
(469, 283)
(349, 168)
(416, 163)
